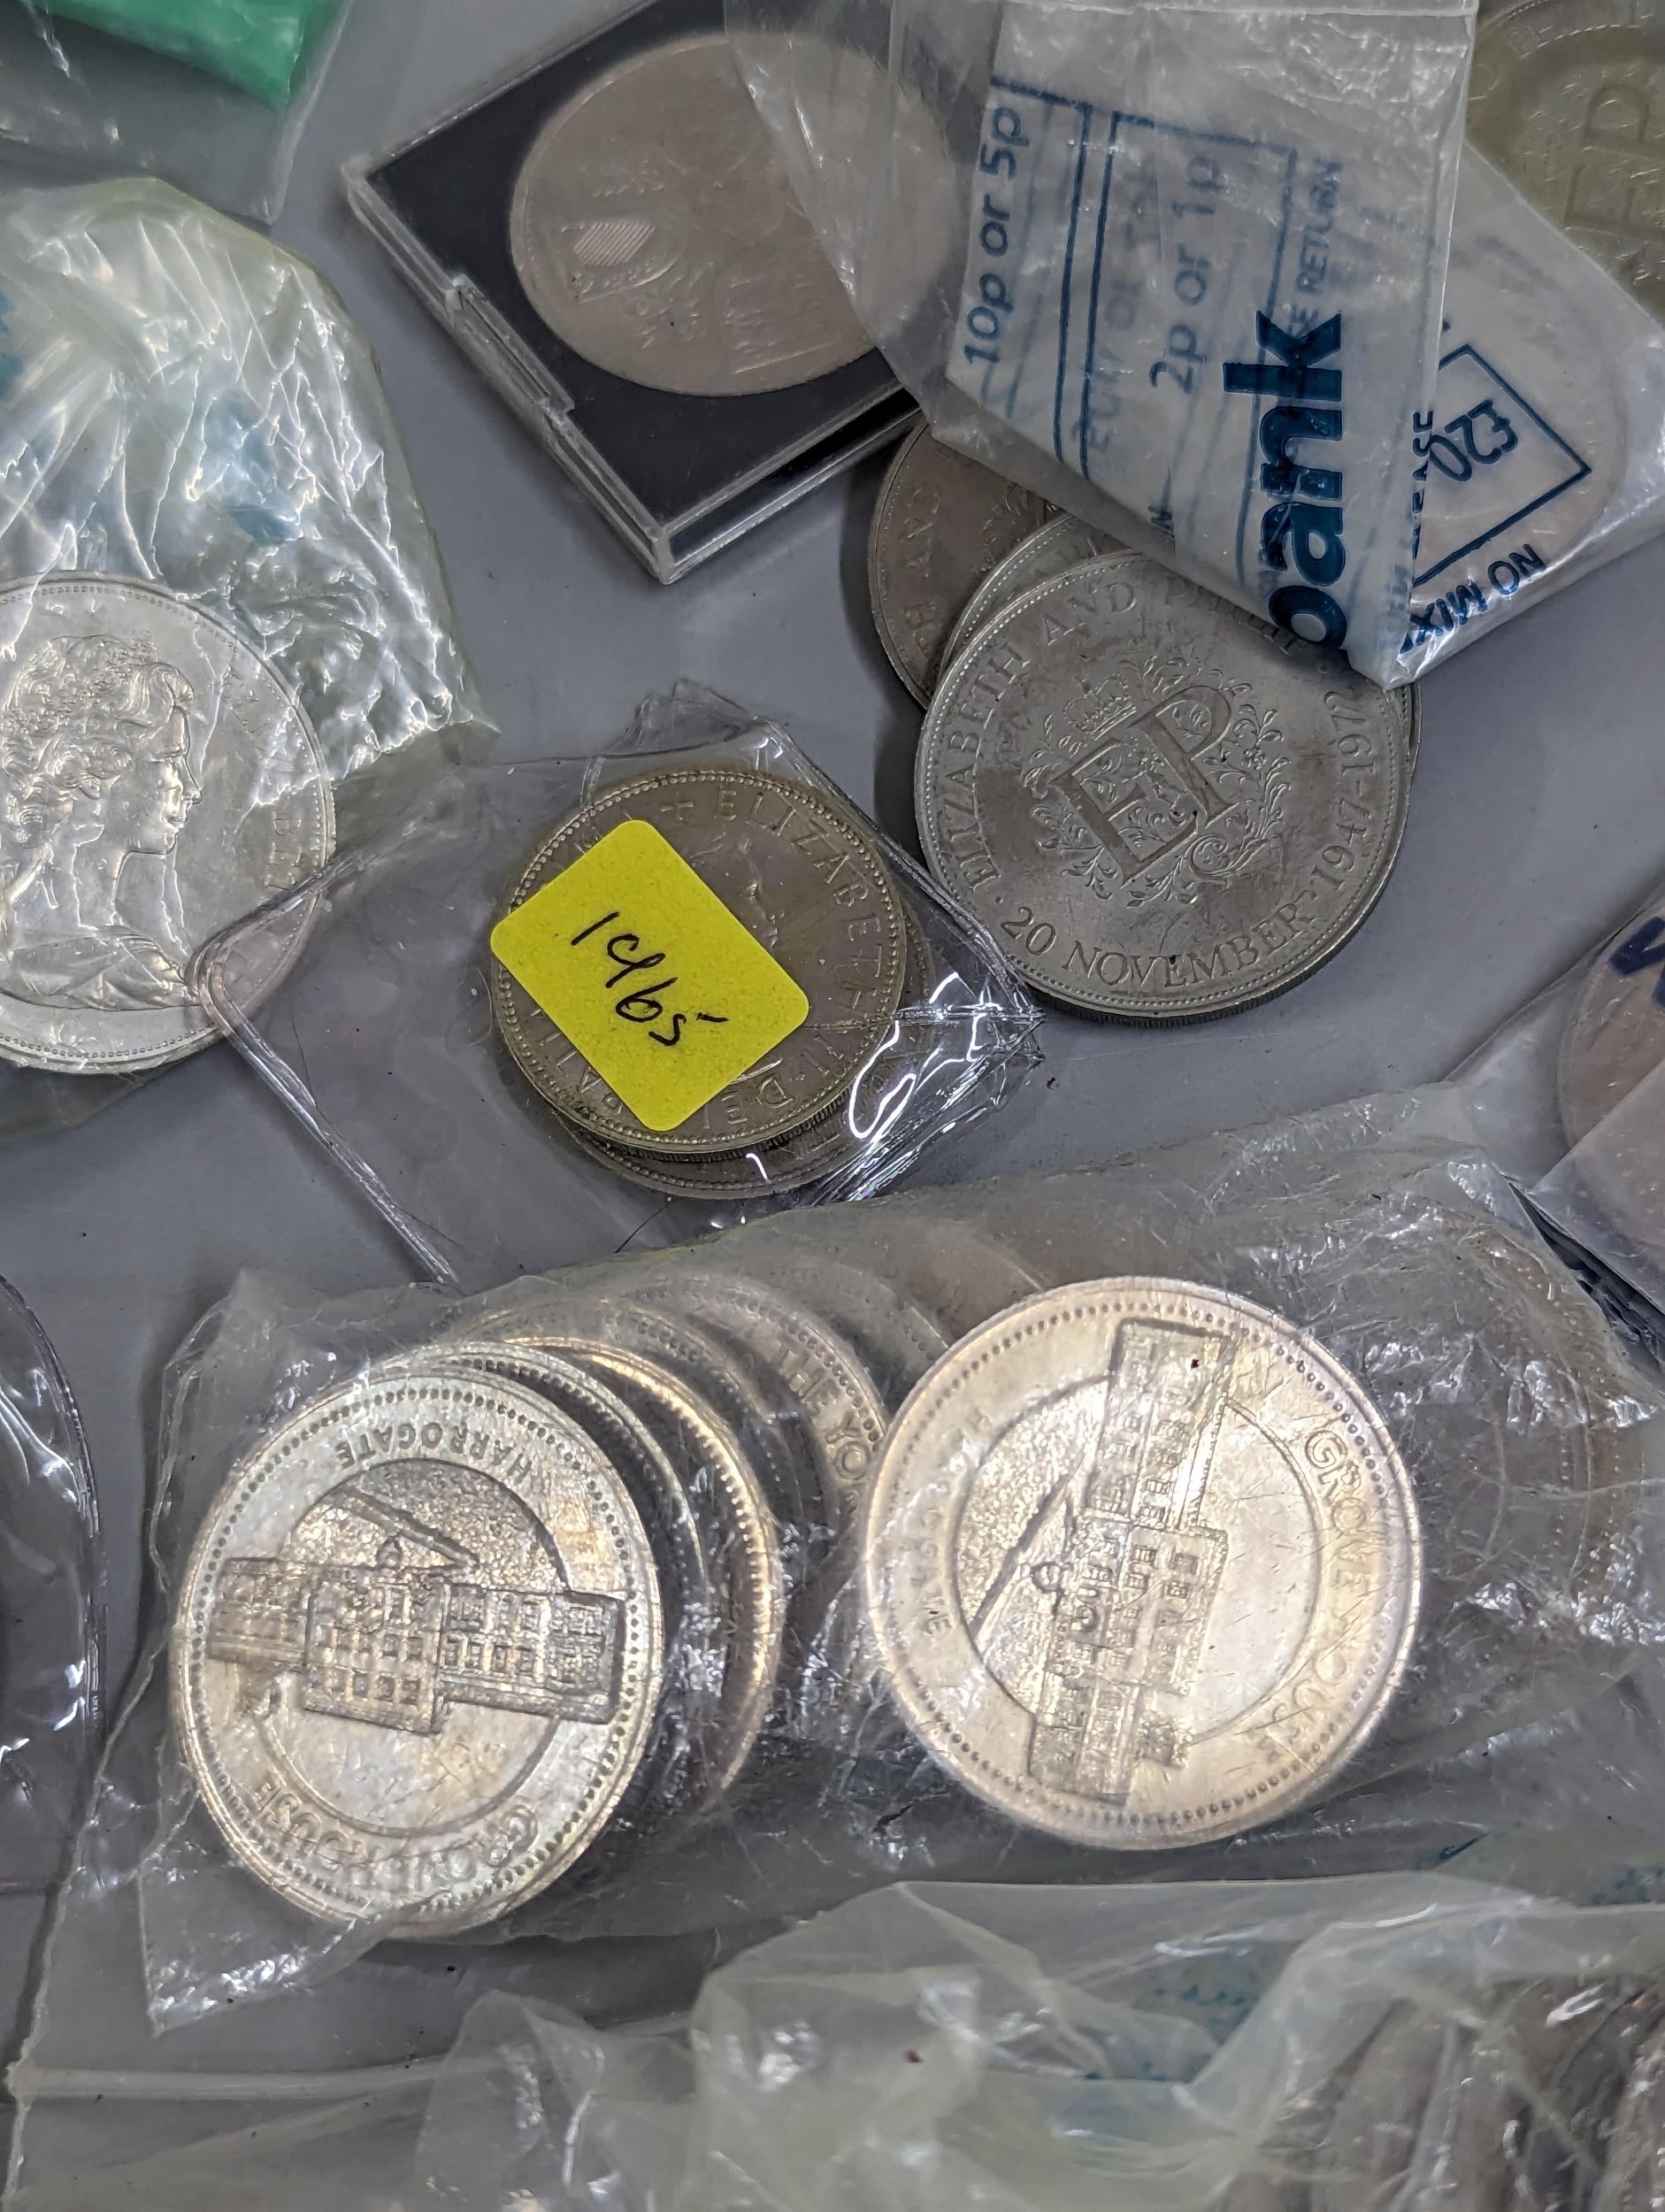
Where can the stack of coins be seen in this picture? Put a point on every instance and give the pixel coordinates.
(1135, 1561)
(806, 876)
(1161, 809)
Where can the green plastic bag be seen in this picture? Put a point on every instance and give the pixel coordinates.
(258, 45)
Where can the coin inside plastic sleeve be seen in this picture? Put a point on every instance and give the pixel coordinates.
(416, 1651)
(1160, 809)
(942, 522)
(1563, 98)
(813, 889)
(159, 781)
(1143, 1564)
(655, 229)
(1614, 1033)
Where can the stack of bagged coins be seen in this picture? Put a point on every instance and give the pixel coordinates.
(806, 877)
(1132, 1560)
(1161, 809)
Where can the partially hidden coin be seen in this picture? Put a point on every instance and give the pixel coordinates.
(158, 783)
(1143, 1564)
(655, 232)
(1160, 809)
(1565, 99)
(673, 1770)
(1062, 543)
(808, 883)
(418, 1649)
(1065, 543)
(747, 1596)
(942, 522)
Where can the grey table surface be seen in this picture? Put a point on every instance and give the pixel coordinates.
(1537, 815)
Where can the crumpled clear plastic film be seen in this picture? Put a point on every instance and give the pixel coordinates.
(1570, 1092)
(1248, 2045)
(1406, 2040)
(436, 1120)
(755, 1396)
(51, 1606)
(1199, 299)
(213, 94)
(201, 488)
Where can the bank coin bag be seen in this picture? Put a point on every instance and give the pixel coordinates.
(1542, 456)
(1568, 1091)
(212, 94)
(1404, 2038)
(486, 1133)
(1276, 1505)
(227, 649)
(1199, 299)
(51, 1607)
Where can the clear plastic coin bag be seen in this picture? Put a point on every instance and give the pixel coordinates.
(1273, 1505)
(1409, 2039)
(1569, 1093)
(1241, 2043)
(1198, 302)
(226, 645)
(488, 1140)
(212, 94)
(51, 1607)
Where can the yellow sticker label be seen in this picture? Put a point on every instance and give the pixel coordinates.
(640, 966)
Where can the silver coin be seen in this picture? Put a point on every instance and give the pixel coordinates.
(942, 522)
(1143, 1564)
(673, 1770)
(823, 1391)
(742, 1554)
(809, 883)
(1067, 543)
(654, 230)
(1566, 99)
(1160, 809)
(158, 782)
(896, 1339)
(1062, 543)
(416, 1651)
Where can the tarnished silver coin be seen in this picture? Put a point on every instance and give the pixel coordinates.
(1570, 100)
(1062, 543)
(807, 883)
(416, 1651)
(1161, 810)
(942, 522)
(1143, 1564)
(158, 782)
(654, 230)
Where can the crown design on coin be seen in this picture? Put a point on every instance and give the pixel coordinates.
(1158, 782)
(399, 1641)
(1131, 1583)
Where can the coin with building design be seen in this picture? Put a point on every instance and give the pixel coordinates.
(1161, 809)
(1142, 1563)
(418, 1650)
